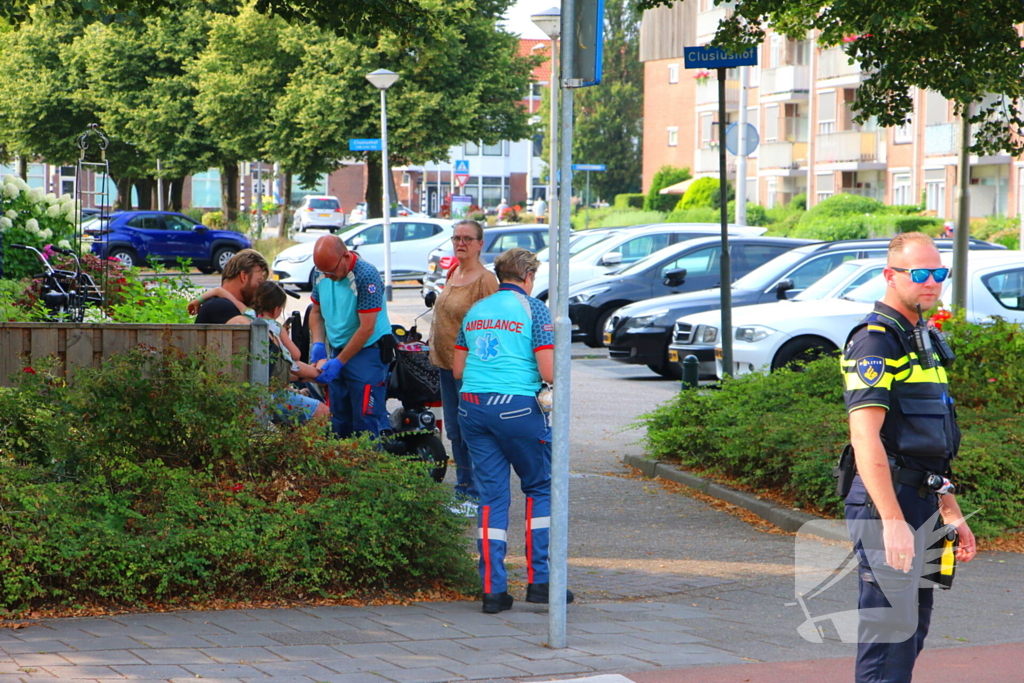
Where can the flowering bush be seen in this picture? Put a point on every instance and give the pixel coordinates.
(30, 216)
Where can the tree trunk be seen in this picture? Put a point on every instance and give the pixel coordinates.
(124, 194)
(374, 189)
(145, 189)
(23, 167)
(176, 198)
(229, 191)
(286, 202)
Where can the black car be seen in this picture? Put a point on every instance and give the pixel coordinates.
(642, 332)
(687, 266)
(496, 240)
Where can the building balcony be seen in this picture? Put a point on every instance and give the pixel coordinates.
(782, 156)
(785, 83)
(707, 161)
(707, 22)
(850, 147)
(940, 139)
(876, 193)
(707, 93)
(834, 63)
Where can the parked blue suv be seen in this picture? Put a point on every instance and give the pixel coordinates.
(137, 237)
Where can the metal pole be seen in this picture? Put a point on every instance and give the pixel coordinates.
(553, 209)
(259, 200)
(559, 537)
(586, 217)
(725, 277)
(741, 147)
(963, 220)
(387, 192)
(159, 187)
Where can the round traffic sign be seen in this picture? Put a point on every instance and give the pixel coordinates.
(750, 140)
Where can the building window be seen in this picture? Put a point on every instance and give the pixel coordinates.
(406, 179)
(775, 57)
(673, 136)
(772, 190)
(901, 189)
(206, 189)
(771, 123)
(298, 192)
(827, 112)
(472, 149)
(904, 134)
(673, 73)
(493, 191)
(492, 150)
(36, 175)
(826, 186)
(935, 191)
(106, 191)
(707, 130)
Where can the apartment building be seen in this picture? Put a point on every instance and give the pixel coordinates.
(799, 98)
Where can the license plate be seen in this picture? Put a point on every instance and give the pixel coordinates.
(275, 276)
(673, 356)
(325, 215)
(718, 353)
(432, 267)
(607, 338)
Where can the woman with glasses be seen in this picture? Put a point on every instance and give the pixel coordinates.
(504, 351)
(467, 283)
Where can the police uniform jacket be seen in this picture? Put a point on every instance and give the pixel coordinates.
(881, 368)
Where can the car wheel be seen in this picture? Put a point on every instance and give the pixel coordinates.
(596, 338)
(127, 257)
(798, 352)
(222, 256)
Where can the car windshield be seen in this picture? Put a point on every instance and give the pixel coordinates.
(94, 223)
(869, 292)
(331, 204)
(352, 226)
(648, 261)
(577, 244)
(767, 275)
(831, 280)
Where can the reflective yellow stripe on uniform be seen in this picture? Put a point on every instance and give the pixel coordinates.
(853, 380)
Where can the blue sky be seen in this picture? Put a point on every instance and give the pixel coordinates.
(518, 17)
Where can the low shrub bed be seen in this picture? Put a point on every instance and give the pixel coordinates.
(784, 430)
(154, 480)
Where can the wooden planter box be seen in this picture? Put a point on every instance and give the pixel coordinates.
(80, 345)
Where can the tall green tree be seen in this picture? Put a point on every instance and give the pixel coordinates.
(967, 51)
(609, 118)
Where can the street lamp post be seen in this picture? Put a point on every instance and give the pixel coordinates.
(382, 79)
(550, 22)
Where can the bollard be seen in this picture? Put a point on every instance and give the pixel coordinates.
(690, 367)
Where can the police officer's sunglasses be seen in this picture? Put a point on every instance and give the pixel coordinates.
(920, 275)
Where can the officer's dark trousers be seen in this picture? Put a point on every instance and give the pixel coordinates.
(892, 629)
(503, 430)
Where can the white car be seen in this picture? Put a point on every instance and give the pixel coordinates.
(770, 336)
(412, 239)
(622, 247)
(359, 212)
(317, 211)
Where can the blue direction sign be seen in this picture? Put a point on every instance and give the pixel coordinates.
(705, 57)
(364, 145)
(588, 167)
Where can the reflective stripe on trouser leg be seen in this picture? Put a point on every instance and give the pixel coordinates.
(358, 398)
(537, 538)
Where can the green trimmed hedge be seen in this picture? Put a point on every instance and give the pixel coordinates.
(171, 489)
(629, 201)
(783, 430)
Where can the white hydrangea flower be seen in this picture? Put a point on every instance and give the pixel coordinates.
(64, 244)
(50, 198)
(53, 211)
(7, 179)
(21, 184)
(11, 191)
(5, 223)
(12, 214)
(46, 234)
(32, 225)
(36, 194)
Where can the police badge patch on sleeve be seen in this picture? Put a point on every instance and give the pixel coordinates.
(870, 369)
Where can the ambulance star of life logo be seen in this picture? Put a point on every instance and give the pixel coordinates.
(870, 369)
(487, 346)
(372, 289)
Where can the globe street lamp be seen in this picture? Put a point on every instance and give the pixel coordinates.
(382, 79)
(550, 22)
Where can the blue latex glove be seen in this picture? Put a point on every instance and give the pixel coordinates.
(318, 352)
(330, 371)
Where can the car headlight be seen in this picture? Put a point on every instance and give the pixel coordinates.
(587, 294)
(753, 333)
(705, 334)
(645, 320)
(301, 258)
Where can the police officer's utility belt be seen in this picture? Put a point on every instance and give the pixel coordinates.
(924, 482)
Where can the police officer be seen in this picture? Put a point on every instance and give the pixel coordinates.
(902, 428)
(349, 313)
(504, 350)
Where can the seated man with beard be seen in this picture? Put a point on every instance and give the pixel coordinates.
(241, 277)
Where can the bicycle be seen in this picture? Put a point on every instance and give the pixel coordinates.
(65, 293)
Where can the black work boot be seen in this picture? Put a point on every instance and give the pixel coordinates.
(538, 592)
(497, 602)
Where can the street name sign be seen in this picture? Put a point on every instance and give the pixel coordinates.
(706, 57)
(364, 145)
(588, 167)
